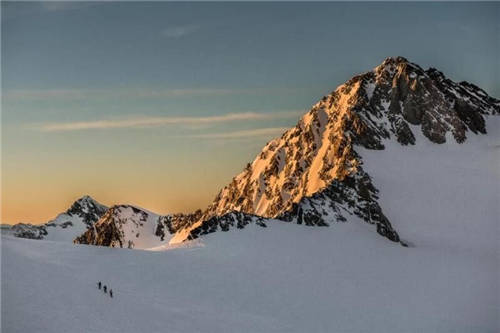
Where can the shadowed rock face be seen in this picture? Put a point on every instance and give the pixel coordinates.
(88, 209)
(224, 223)
(174, 222)
(132, 227)
(312, 174)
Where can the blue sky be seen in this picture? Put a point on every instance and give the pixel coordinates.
(160, 104)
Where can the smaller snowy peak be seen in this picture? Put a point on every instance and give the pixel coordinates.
(66, 226)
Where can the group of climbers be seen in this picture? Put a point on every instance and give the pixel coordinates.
(105, 288)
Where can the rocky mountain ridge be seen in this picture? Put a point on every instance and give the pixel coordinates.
(313, 173)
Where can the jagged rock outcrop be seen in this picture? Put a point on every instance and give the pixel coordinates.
(174, 222)
(106, 232)
(81, 215)
(313, 174)
(224, 223)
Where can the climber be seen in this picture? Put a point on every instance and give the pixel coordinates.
(111, 293)
(105, 288)
(99, 285)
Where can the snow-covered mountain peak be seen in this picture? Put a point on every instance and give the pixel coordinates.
(391, 64)
(67, 225)
(86, 200)
(313, 173)
(88, 209)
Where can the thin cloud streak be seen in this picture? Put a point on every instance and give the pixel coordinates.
(180, 31)
(241, 134)
(56, 6)
(25, 94)
(162, 121)
(79, 94)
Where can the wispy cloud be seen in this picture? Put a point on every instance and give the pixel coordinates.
(53, 6)
(146, 122)
(186, 92)
(56, 5)
(271, 131)
(18, 9)
(79, 94)
(179, 31)
(27, 94)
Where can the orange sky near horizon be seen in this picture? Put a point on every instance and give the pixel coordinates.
(184, 183)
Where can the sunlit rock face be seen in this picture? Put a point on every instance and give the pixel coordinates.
(313, 174)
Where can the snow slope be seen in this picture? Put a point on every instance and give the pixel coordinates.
(284, 278)
(442, 195)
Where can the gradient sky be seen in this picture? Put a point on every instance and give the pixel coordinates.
(161, 104)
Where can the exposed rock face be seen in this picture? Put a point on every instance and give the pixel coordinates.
(224, 223)
(81, 215)
(312, 174)
(88, 209)
(175, 222)
(132, 227)
(354, 194)
(106, 232)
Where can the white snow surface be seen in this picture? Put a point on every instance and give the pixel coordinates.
(445, 195)
(58, 233)
(284, 278)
